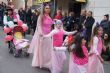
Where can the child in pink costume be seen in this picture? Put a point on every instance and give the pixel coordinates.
(58, 57)
(95, 64)
(79, 57)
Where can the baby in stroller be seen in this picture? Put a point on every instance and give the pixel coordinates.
(21, 44)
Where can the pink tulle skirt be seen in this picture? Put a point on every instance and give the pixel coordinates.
(74, 68)
(58, 58)
(95, 65)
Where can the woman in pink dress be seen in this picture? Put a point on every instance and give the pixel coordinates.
(79, 56)
(58, 53)
(41, 48)
(95, 64)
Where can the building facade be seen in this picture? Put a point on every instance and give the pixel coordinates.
(5, 1)
(70, 5)
(99, 8)
(18, 3)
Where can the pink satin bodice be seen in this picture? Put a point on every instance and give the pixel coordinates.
(58, 39)
(46, 25)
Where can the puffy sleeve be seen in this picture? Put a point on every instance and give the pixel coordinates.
(39, 24)
(69, 33)
(5, 20)
(51, 33)
(95, 44)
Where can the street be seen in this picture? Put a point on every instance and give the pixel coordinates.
(10, 64)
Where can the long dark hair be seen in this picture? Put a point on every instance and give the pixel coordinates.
(78, 46)
(44, 5)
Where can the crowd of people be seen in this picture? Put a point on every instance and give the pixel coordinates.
(27, 15)
(86, 41)
(2, 9)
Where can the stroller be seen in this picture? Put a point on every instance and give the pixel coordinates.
(18, 46)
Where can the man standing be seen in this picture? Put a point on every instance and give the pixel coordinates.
(22, 14)
(105, 23)
(28, 18)
(88, 23)
(82, 19)
(1, 14)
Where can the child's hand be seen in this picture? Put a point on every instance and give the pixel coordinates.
(90, 54)
(84, 27)
(102, 60)
(76, 31)
(54, 49)
(69, 49)
(104, 48)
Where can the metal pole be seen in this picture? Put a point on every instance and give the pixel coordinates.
(54, 5)
(26, 4)
(54, 8)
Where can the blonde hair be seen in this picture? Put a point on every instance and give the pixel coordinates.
(95, 33)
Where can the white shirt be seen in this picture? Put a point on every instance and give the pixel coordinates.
(95, 45)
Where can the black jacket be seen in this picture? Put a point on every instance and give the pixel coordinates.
(81, 21)
(34, 20)
(105, 24)
(89, 23)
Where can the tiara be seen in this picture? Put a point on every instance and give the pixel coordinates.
(47, 4)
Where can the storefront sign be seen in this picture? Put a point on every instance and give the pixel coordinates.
(41, 1)
(81, 0)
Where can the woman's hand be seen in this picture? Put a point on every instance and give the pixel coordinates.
(40, 34)
(75, 31)
(101, 59)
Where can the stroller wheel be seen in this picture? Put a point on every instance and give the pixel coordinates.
(10, 51)
(16, 55)
(10, 48)
(26, 54)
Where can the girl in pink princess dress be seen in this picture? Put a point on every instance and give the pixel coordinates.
(79, 56)
(58, 57)
(95, 64)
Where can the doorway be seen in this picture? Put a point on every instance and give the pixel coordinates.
(75, 7)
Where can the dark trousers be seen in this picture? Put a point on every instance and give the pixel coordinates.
(88, 35)
(29, 27)
(106, 54)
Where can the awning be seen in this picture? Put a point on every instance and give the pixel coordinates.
(81, 1)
